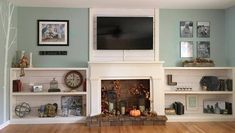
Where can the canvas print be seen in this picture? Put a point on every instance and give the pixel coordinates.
(203, 29)
(53, 33)
(186, 29)
(186, 49)
(213, 107)
(203, 49)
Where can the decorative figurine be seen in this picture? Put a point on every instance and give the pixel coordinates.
(24, 63)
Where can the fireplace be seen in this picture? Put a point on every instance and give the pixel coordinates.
(149, 72)
(120, 96)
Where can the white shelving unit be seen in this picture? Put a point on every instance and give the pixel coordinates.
(43, 76)
(189, 77)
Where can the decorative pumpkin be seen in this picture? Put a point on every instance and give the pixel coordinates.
(135, 112)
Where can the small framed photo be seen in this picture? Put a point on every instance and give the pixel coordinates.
(203, 49)
(192, 102)
(186, 49)
(53, 32)
(203, 29)
(186, 29)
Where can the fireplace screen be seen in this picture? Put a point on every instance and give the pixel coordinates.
(119, 97)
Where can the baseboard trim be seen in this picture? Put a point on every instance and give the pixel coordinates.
(4, 125)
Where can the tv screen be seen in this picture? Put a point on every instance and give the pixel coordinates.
(124, 33)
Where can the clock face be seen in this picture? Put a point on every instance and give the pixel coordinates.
(73, 79)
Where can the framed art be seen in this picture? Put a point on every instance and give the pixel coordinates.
(73, 104)
(203, 49)
(53, 32)
(192, 102)
(186, 49)
(203, 29)
(186, 29)
(214, 106)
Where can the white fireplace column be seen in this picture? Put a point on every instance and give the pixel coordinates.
(126, 70)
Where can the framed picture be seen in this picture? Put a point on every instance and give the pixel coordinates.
(203, 49)
(186, 29)
(53, 32)
(73, 104)
(186, 49)
(214, 106)
(203, 29)
(192, 102)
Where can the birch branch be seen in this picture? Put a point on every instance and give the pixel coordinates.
(3, 21)
(12, 7)
(14, 38)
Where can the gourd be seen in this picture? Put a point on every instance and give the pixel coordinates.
(135, 112)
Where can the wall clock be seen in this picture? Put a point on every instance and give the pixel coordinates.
(73, 79)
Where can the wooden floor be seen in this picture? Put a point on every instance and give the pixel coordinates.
(201, 127)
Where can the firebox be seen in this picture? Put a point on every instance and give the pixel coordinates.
(120, 96)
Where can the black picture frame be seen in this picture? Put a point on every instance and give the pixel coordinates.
(203, 29)
(186, 29)
(53, 32)
(203, 49)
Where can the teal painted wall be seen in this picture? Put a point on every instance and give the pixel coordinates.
(78, 35)
(230, 32)
(170, 34)
(12, 50)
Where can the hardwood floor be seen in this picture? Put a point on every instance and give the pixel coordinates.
(200, 127)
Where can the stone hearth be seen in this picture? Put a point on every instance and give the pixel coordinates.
(100, 120)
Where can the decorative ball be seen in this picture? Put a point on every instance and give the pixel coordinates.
(135, 112)
(22, 109)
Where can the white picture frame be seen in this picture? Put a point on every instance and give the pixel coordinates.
(192, 102)
(186, 49)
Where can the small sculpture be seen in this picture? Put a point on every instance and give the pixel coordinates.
(22, 109)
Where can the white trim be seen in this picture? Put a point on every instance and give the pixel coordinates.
(5, 124)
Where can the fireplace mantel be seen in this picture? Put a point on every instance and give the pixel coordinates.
(152, 70)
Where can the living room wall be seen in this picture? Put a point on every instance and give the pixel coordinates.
(78, 35)
(5, 91)
(229, 35)
(170, 34)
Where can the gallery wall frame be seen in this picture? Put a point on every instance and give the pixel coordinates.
(203, 29)
(186, 49)
(203, 49)
(186, 29)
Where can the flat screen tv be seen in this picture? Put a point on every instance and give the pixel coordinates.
(124, 33)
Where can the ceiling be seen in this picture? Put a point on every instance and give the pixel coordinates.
(165, 4)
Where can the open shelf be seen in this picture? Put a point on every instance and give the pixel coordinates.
(47, 93)
(47, 120)
(200, 92)
(192, 117)
(197, 68)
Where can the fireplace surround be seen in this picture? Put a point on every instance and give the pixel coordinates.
(123, 71)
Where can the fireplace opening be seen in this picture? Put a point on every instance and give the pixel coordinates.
(124, 97)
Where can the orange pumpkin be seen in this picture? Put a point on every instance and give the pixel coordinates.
(135, 112)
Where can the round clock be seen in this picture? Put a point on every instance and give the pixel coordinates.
(73, 79)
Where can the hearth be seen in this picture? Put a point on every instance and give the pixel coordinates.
(125, 97)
